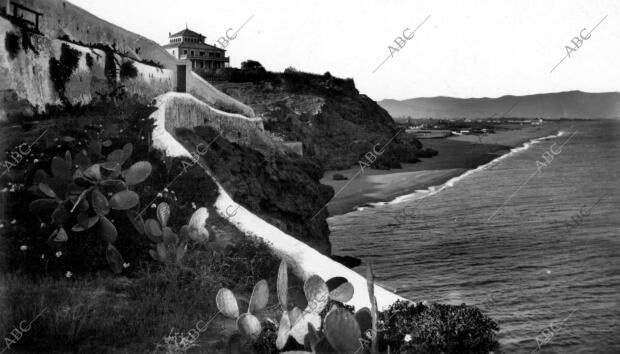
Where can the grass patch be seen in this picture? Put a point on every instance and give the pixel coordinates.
(94, 312)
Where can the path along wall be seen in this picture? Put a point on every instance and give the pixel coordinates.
(183, 110)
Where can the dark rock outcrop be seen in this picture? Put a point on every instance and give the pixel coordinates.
(282, 189)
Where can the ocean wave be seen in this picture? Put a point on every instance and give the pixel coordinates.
(432, 190)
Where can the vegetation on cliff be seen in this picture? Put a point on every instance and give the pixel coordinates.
(280, 187)
(336, 124)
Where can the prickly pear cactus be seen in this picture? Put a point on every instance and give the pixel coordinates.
(78, 188)
(169, 248)
(197, 226)
(303, 325)
(342, 331)
(248, 324)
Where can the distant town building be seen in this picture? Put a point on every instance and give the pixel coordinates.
(190, 45)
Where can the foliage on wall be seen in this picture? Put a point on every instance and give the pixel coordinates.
(61, 69)
(89, 60)
(128, 70)
(11, 44)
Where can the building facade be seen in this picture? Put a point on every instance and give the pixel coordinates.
(190, 45)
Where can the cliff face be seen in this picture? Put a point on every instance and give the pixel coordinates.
(336, 124)
(284, 190)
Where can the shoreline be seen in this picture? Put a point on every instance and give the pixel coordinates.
(457, 156)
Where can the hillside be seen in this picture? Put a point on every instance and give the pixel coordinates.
(336, 124)
(571, 104)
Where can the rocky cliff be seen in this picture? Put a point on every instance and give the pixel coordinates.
(337, 125)
(285, 191)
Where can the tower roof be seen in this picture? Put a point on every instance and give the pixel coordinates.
(187, 33)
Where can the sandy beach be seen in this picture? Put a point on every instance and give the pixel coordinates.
(457, 154)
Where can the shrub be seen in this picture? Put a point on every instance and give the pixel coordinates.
(11, 44)
(249, 261)
(437, 328)
(89, 60)
(252, 66)
(128, 70)
(61, 70)
(109, 68)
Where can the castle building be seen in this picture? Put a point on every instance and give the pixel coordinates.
(190, 45)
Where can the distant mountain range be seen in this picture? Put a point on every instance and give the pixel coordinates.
(570, 104)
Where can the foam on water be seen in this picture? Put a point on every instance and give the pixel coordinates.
(432, 190)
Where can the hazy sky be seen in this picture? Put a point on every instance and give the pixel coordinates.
(464, 49)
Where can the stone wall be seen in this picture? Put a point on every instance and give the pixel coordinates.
(62, 18)
(186, 111)
(203, 90)
(27, 75)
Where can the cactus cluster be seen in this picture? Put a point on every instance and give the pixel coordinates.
(168, 247)
(340, 331)
(84, 193)
(248, 324)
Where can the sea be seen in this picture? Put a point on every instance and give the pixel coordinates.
(531, 238)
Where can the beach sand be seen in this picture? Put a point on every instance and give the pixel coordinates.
(456, 155)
